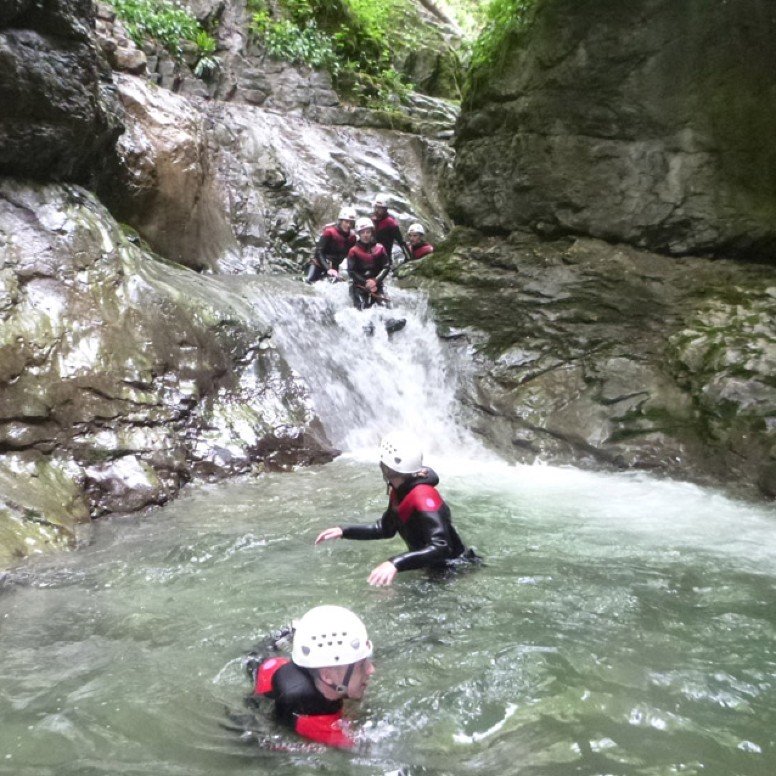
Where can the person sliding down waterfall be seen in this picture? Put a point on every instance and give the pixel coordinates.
(332, 247)
(330, 661)
(368, 266)
(415, 511)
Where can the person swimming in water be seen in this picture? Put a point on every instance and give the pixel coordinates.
(331, 660)
(415, 511)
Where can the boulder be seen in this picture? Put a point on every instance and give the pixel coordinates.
(640, 122)
(123, 376)
(598, 354)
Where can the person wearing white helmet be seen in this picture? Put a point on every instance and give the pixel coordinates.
(387, 231)
(368, 266)
(332, 247)
(417, 242)
(415, 511)
(330, 661)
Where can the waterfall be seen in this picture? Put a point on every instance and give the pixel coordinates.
(365, 382)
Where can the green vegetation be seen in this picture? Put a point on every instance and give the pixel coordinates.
(352, 39)
(504, 18)
(171, 25)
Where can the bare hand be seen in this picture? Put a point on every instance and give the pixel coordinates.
(329, 533)
(333, 273)
(383, 575)
(371, 286)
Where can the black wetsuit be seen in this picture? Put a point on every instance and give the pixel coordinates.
(387, 232)
(298, 703)
(332, 247)
(419, 515)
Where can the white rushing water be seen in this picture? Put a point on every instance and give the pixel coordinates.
(365, 384)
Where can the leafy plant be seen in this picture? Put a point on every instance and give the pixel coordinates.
(352, 39)
(170, 24)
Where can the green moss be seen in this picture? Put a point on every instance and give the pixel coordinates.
(505, 20)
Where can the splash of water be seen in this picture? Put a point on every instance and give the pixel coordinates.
(365, 381)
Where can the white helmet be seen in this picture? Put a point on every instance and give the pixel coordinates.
(380, 200)
(347, 214)
(364, 223)
(416, 229)
(330, 636)
(401, 453)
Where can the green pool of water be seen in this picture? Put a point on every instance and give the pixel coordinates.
(621, 625)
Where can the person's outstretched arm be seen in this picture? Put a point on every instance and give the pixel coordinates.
(384, 528)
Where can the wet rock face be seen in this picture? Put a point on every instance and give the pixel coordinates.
(642, 122)
(58, 114)
(234, 188)
(591, 353)
(122, 377)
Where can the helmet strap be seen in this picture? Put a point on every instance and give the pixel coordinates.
(342, 687)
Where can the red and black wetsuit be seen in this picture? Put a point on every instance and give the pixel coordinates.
(387, 233)
(419, 515)
(367, 262)
(298, 703)
(421, 249)
(332, 247)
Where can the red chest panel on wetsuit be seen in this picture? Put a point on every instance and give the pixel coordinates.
(422, 498)
(389, 222)
(372, 259)
(419, 251)
(265, 673)
(336, 242)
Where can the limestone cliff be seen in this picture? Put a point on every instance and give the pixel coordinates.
(647, 122)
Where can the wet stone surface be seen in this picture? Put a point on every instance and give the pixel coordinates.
(124, 376)
(592, 353)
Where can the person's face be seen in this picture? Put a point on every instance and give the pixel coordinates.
(415, 238)
(365, 235)
(390, 476)
(345, 224)
(380, 212)
(359, 679)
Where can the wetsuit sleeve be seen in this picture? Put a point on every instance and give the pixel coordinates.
(399, 239)
(436, 550)
(321, 249)
(326, 729)
(384, 528)
(381, 275)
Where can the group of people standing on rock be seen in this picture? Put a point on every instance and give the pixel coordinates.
(331, 656)
(366, 247)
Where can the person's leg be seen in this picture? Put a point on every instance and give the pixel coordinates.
(314, 272)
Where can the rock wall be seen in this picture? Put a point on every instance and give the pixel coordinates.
(591, 353)
(234, 188)
(122, 376)
(58, 112)
(646, 121)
